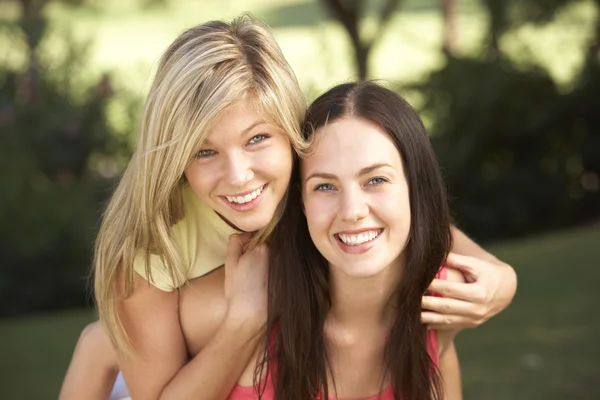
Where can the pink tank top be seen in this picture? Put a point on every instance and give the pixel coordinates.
(249, 392)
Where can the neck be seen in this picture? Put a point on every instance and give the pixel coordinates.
(364, 301)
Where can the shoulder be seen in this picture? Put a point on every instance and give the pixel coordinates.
(202, 308)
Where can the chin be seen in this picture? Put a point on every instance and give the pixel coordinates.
(360, 271)
(365, 268)
(251, 224)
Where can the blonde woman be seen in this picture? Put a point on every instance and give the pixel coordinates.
(213, 159)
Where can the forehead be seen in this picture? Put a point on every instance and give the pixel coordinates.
(350, 144)
(235, 118)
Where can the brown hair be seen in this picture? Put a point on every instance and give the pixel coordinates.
(299, 297)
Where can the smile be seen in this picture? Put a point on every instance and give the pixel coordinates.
(356, 239)
(247, 197)
(246, 201)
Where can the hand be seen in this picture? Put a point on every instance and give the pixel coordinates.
(246, 278)
(488, 289)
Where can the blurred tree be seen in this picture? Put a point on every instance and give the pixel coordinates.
(449, 32)
(505, 15)
(34, 25)
(519, 155)
(349, 13)
(59, 157)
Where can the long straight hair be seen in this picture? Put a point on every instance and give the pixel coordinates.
(299, 292)
(205, 70)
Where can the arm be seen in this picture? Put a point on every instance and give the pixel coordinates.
(463, 245)
(490, 287)
(449, 366)
(158, 367)
(93, 368)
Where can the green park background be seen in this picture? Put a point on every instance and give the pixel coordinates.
(510, 93)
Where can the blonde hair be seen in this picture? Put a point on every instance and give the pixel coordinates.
(203, 71)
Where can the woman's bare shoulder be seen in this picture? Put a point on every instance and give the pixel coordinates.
(202, 308)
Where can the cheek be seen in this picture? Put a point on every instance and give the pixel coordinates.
(276, 160)
(393, 208)
(202, 178)
(398, 212)
(319, 220)
(319, 215)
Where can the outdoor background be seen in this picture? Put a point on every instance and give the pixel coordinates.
(509, 90)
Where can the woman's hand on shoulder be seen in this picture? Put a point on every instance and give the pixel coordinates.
(246, 279)
(473, 293)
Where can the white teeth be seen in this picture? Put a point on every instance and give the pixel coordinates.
(355, 240)
(246, 198)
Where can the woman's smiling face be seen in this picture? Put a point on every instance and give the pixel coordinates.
(243, 168)
(356, 197)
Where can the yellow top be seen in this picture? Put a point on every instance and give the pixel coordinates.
(202, 239)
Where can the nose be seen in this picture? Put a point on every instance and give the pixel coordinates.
(238, 169)
(353, 205)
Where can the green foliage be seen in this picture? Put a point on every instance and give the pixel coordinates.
(54, 133)
(513, 149)
(507, 14)
(519, 155)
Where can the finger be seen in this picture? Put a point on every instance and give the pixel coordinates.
(261, 249)
(466, 264)
(457, 290)
(260, 255)
(235, 248)
(245, 237)
(449, 306)
(438, 321)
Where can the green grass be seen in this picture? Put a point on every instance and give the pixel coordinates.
(544, 346)
(35, 352)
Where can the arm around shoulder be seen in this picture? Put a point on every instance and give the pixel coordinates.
(225, 336)
(495, 281)
(158, 366)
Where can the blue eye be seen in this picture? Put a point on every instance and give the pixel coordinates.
(258, 138)
(323, 187)
(377, 180)
(205, 153)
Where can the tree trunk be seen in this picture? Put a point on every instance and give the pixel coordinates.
(448, 14)
(594, 48)
(362, 61)
(33, 24)
(348, 13)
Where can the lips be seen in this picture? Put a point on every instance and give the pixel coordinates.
(245, 201)
(358, 238)
(358, 241)
(246, 197)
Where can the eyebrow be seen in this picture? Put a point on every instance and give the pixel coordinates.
(364, 171)
(244, 131)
